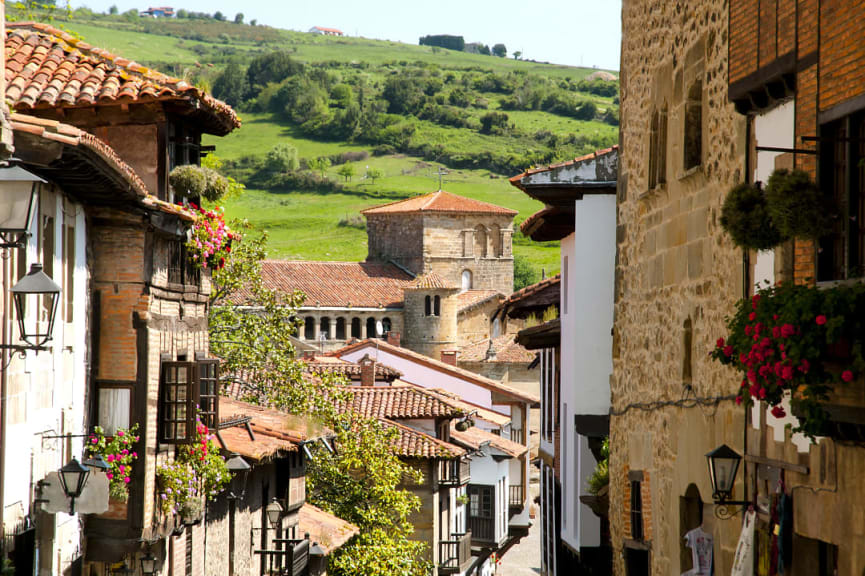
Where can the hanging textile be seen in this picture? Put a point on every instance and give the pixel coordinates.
(701, 545)
(743, 562)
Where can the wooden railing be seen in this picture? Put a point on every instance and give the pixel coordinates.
(455, 555)
(516, 496)
(290, 558)
(454, 472)
(518, 435)
(483, 529)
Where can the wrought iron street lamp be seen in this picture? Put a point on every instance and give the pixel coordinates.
(17, 204)
(723, 464)
(35, 284)
(148, 564)
(73, 477)
(97, 462)
(274, 512)
(239, 469)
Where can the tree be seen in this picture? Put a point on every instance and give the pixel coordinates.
(238, 18)
(500, 50)
(230, 85)
(494, 123)
(182, 13)
(113, 10)
(403, 94)
(219, 16)
(253, 22)
(361, 481)
(320, 165)
(346, 171)
(524, 273)
(518, 54)
(271, 68)
(282, 158)
(373, 174)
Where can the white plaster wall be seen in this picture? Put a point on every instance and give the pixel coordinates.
(47, 393)
(586, 351)
(487, 471)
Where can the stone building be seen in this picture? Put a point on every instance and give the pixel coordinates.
(677, 276)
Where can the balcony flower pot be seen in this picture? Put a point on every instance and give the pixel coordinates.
(191, 511)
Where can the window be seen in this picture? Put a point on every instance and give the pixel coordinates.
(437, 306)
(324, 327)
(355, 328)
(69, 212)
(309, 328)
(385, 326)
(183, 386)
(480, 242)
(370, 328)
(180, 269)
(496, 241)
(693, 148)
(114, 406)
(636, 510)
(427, 306)
(466, 280)
(658, 149)
(340, 328)
(842, 180)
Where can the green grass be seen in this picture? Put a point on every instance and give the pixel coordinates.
(140, 47)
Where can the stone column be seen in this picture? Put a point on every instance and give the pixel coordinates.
(317, 331)
(332, 329)
(363, 335)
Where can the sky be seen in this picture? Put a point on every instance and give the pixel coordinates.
(575, 32)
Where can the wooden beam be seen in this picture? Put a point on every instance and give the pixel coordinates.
(754, 459)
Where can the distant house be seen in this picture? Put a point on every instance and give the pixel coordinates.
(325, 31)
(158, 12)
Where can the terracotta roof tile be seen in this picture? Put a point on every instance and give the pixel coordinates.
(328, 531)
(414, 444)
(471, 298)
(515, 180)
(439, 201)
(338, 284)
(440, 366)
(48, 68)
(533, 289)
(491, 416)
(431, 281)
(351, 370)
(474, 437)
(399, 402)
(506, 350)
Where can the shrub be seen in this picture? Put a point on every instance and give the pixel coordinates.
(745, 217)
(494, 123)
(796, 205)
(352, 221)
(282, 158)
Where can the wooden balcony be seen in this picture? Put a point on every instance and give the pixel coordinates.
(455, 556)
(518, 436)
(454, 472)
(288, 558)
(516, 496)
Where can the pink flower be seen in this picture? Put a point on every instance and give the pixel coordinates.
(787, 330)
(752, 316)
(93, 440)
(109, 458)
(846, 375)
(738, 399)
(821, 320)
(762, 393)
(728, 350)
(110, 476)
(135, 454)
(120, 433)
(124, 451)
(126, 479)
(778, 412)
(787, 372)
(776, 332)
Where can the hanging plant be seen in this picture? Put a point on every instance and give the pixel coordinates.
(210, 239)
(118, 451)
(796, 205)
(197, 472)
(746, 218)
(786, 339)
(191, 181)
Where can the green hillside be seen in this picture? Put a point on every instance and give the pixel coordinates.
(393, 114)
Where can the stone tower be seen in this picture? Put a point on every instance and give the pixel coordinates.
(466, 242)
(430, 315)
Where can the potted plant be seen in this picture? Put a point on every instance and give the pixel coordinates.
(785, 341)
(210, 238)
(746, 217)
(119, 452)
(796, 205)
(197, 472)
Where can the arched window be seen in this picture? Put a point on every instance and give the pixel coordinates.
(480, 242)
(467, 280)
(693, 148)
(385, 326)
(497, 328)
(309, 328)
(687, 346)
(324, 327)
(427, 306)
(658, 149)
(355, 328)
(370, 327)
(438, 306)
(340, 328)
(496, 241)
(690, 517)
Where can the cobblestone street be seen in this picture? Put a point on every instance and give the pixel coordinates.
(524, 559)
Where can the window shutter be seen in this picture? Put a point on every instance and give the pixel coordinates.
(208, 392)
(178, 397)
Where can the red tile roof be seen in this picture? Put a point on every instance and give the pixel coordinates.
(515, 180)
(533, 289)
(474, 437)
(431, 281)
(471, 298)
(328, 531)
(338, 284)
(462, 373)
(440, 201)
(397, 402)
(495, 418)
(414, 444)
(48, 68)
(507, 351)
(350, 369)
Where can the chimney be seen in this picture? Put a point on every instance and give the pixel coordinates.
(449, 357)
(393, 338)
(367, 371)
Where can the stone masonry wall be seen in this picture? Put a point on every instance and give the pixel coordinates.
(676, 269)
(397, 237)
